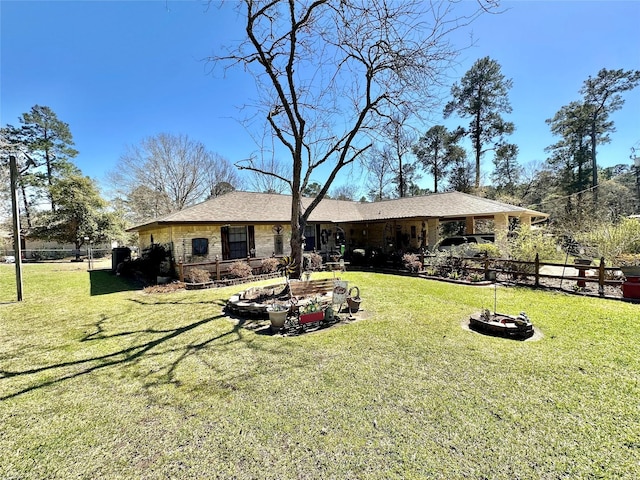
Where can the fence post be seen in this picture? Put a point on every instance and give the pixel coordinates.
(537, 268)
(486, 266)
(601, 277)
(217, 267)
(180, 271)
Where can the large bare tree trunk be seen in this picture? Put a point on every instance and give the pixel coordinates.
(330, 74)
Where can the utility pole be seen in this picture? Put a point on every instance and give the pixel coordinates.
(17, 247)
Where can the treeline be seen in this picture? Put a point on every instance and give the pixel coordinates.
(169, 172)
(58, 203)
(570, 185)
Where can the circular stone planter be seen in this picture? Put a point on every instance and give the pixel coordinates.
(240, 306)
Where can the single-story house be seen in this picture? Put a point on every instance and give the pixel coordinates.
(249, 224)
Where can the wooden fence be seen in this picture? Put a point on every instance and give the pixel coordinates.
(217, 268)
(601, 274)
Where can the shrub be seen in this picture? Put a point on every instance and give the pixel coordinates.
(153, 261)
(358, 257)
(611, 240)
(491, 250)
(269, 265)
(199, 275)
(527, 242)
(240, 269)
(476, 277)
(411, 262)
(444, 263)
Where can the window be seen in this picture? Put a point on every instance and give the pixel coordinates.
(200, 246)
(237, 242)
(309, 238)
(234, 242)
(278, 245)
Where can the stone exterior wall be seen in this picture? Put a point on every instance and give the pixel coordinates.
(389, 236)
(180, 238)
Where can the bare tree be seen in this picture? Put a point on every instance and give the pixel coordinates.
(400, 140)
(379, 174)
(344, 192)
(272, 182)
(330, 72)
(168, 172)
(222, 177)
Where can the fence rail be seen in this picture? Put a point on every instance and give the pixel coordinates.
(219, 268)
(601, 274)
(43, 254)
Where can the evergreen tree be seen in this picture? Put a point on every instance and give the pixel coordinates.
(507, 171)
(80, 212)
(601, 98)
(49, 143)
(43, 146)
(570, 155)
(482, 96)
(436, 150)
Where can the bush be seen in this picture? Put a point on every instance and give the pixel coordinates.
(412, 262)
(490, 250)
(376, 257)
(154, 261)
(240, 269)
(358, 257)
(199, 275)
(269, 265)
(611, 240)
(527, 242)
(445, 263)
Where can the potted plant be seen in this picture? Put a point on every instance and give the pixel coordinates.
(354, 300)
(311, 312)
(277, 315)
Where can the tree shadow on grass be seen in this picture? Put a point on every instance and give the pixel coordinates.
(104, 282)
(125, 356)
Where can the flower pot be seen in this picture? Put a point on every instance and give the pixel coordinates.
(311, 317)
(354, 304)
(277, 318)
(354, 301)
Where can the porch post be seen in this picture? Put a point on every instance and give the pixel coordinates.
(433, 225)
(525, 221)
(501, 226)
(470, 226)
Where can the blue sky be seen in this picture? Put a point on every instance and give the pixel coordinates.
(120, 71)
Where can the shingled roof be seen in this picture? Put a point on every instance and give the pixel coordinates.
(254, 207)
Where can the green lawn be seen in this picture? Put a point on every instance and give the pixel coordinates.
(99, 380)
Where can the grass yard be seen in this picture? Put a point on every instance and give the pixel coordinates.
(99, 380)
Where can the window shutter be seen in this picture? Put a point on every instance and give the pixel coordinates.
(224, 239)
(251, 234)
